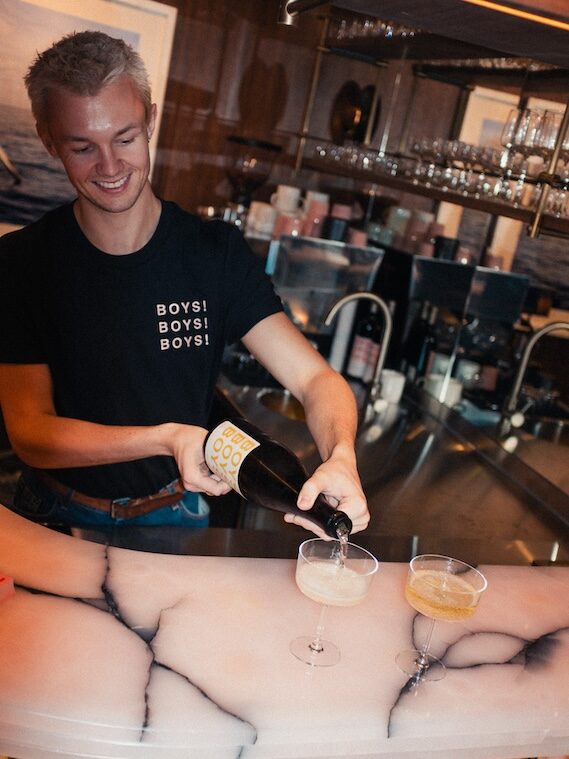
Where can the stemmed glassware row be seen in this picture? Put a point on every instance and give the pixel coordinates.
(494, 173)
(533, 132)
(355, 28)
(444, 164)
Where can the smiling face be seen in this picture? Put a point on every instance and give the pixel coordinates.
(102, 141)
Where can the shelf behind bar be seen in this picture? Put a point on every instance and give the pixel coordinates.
(549, 224)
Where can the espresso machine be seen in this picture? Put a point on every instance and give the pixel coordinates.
(456, 318)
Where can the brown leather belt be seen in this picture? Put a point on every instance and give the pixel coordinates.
(124, 508)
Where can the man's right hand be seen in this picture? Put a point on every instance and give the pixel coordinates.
(187, 449)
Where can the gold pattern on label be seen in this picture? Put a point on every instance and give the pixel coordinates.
(226, 449)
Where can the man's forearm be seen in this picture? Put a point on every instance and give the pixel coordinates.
(60, 442)
(331, 414)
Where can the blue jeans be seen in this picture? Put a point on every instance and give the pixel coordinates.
(34, 500)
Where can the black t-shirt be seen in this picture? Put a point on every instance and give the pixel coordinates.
(134, 339)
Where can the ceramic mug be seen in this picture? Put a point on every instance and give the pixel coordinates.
(392, 384)
(261, 218)
(438, 363)
(468, 372)
(286, 199)
(357, 238)
(341, 211)
(287, 224)
(313, 196)
(314, 218)
(435, 385)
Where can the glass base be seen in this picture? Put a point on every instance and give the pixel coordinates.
(420, 666)
(325, 656)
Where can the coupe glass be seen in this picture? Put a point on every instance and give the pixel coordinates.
(332, 573)
(443, 588)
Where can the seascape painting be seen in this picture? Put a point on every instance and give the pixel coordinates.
(31, 181)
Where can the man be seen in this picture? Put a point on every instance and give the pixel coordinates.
(115, 312)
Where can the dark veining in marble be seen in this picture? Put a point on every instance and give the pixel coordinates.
(537, 654)
(113, 608)
(533, 655)
(202, 692)
(107, 593)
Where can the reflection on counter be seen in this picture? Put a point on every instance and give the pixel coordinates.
(427, 472)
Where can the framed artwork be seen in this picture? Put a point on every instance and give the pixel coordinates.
(31, 182)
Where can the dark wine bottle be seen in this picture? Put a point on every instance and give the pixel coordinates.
(266, 473)
(365, 346)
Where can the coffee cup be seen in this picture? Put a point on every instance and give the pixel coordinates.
(468, 372)
(335, 229)
(447, 390)
(286, 199)
(392, 384)
(314, 218)
(313, 196)
(357, 238)
(261, 218)
(287, 224)
(438, 363)
(341, 211)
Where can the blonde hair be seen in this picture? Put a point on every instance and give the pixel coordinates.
(83, 63)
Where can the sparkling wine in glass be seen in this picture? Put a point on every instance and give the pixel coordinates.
(331, 573)
(440, 588)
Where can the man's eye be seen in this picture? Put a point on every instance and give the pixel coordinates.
(127, 141)
(79, 151)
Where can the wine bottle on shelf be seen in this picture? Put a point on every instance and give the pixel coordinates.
(266, 473)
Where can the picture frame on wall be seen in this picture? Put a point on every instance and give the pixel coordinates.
(31, 181)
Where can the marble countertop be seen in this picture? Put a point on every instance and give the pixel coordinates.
(110, 652)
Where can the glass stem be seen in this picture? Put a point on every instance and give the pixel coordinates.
(316, 644)
(423, 658)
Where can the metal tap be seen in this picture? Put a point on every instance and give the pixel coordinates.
(511, 402)
(375, 386)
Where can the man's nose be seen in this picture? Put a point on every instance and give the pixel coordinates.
(108, 163)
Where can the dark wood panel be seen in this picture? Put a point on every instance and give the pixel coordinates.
(234, 71)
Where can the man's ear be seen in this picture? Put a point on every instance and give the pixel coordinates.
(151, 123)
(45, 137)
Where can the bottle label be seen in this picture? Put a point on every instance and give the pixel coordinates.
(225, 450)
(359, 357)
(371, 363)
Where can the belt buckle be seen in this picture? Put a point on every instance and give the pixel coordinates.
(119, 503)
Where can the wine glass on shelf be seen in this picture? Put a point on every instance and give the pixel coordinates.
(488, 160)
(418, 146)
(332, 573)
(546, 135)
(526, 138)
(440, 588)
(508, 134)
